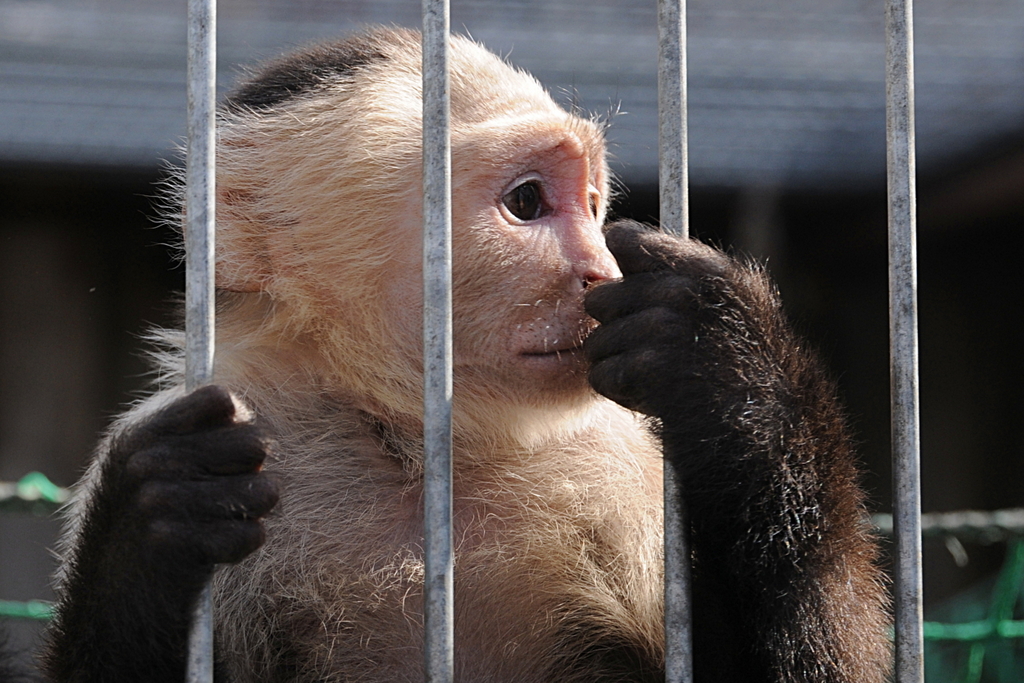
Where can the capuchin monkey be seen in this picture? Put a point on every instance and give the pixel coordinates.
(317, 410)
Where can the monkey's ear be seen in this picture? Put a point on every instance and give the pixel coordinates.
(241, 270)
(243, 261)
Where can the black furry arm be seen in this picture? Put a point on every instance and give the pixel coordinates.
(785, 584)
(177, 493)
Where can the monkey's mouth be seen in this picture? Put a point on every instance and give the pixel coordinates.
(554, 353)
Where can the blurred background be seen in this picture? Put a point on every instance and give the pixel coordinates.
(787, 135)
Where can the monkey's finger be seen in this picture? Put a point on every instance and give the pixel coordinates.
(651, 328)
(223, 541)
(248, 497)
(234, 450)
(612, 300)
(207, 407)
(617, 377)
(639, 249)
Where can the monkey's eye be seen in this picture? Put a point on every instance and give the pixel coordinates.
(524, 201)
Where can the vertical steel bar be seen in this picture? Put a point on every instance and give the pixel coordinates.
(673, 179)
(903, 338)
(199, 261)
(438, 585)
(673, 162)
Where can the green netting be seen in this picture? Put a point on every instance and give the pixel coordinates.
(33, 493)
(981, 637)
(36, 495)
(31, 609)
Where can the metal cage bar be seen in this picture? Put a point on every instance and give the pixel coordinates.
(906, 449)
(438, 588)
(200, 198)
(673, 177)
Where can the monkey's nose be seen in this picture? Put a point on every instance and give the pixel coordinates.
(591, 280)
(601, 266)
(585, 246)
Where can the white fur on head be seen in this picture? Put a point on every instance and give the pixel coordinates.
(319, 216)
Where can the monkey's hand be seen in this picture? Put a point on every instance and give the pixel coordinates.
(177, 494)
(785, 583)
(645, 353)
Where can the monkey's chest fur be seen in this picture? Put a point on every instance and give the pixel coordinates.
(557, 568)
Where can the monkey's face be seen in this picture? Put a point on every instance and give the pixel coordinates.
(321, 210)
(529, 198)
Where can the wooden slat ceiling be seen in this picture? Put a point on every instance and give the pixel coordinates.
(782, 93)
